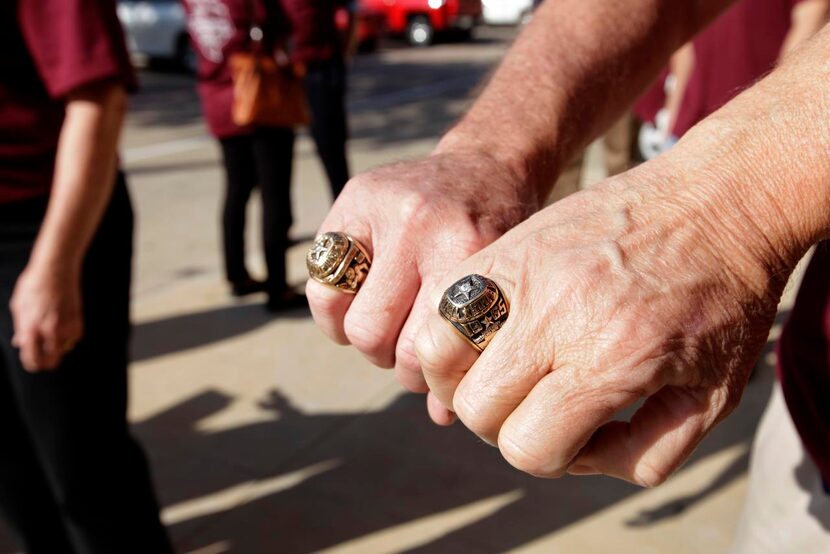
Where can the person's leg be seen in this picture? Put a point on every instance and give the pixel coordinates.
(26, 501)
(76, 414)
(240, 180)
(326, 91)
(786, 509)
(274, 152)
(617, 145)
(569, 181)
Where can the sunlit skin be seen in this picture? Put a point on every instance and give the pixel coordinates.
(659, 284)
(46, 305)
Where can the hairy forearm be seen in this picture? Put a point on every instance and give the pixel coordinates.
(84, 175)
(807, 18)
(576, 68)
(757, 172)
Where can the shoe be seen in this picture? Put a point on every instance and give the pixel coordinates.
(246, 287)
(286, 301)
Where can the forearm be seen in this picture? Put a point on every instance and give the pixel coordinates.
(757, 172)
(807, 18)
(84, 176)
(576, 67)
(681, 66)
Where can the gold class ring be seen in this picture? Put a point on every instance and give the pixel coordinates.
(476, 307)
(338, 261)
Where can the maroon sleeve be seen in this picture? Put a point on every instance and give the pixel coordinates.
(75, 43)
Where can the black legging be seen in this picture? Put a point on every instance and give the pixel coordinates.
(325, 84)
(262, 158)
(72, 478)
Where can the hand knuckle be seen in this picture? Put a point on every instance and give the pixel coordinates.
(364, 336)
(520, 455)
(405, 356)
(650, 475)
(473, 415)
(415, 208)
(429, 355)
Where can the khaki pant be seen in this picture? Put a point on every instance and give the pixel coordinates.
(617, 145)
(786, 510)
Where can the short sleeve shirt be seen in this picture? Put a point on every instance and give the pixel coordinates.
(48, 49)
(739, 48)
(218, 29)
(314, 34)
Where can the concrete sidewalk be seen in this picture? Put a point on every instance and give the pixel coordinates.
(265, 437)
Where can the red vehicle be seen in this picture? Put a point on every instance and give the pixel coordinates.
(420, 20)
(369, 27)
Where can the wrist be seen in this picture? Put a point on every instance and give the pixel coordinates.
(48, 260)
(511, 161)
(733, 219)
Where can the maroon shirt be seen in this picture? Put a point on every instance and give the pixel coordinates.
(314, 33)
(804, 360)
(49, 48)
(731, 54)
(218, 29)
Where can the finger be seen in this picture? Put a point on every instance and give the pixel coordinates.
(374, 320)
(407, 365)
(328, 308)
(438, 412)
(31, 352)
(553, 423)
(433, 271)
(56, 346)
(661, 435)
(444, 357)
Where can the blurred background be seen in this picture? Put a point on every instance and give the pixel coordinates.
(265, 437)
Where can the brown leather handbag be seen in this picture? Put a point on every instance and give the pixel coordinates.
(266, 94)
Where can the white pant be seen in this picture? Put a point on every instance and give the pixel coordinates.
(787, 510)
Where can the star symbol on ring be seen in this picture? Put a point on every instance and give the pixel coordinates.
(321, 249)
(462, 292)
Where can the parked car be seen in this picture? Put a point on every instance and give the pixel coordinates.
(157, 29)
(370, 26)
(420, 20)
(507, 12)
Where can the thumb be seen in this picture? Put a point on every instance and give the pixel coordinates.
(661, 435)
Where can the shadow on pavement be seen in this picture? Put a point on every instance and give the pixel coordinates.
(365, 474)
(183, 332)
(295, 482)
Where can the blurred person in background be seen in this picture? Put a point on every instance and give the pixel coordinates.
(740, 47)
(72, 478)
(317, 43)
(252, 155)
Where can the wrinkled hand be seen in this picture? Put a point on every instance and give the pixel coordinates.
(620, 293)
(47, 314)
(418, 220)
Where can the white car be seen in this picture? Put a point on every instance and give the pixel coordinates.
(506, 12)
(157, 29)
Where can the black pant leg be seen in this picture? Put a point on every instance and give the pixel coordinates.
(26, 500)
(274, 153)
(76, 415)
(240, 180)
(326, 90)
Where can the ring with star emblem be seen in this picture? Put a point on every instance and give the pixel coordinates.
(476, 307)
(338, 261)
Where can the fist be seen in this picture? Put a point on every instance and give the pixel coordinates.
(622, 293)
(418, 220)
